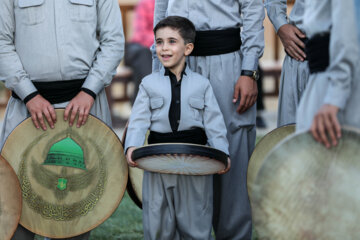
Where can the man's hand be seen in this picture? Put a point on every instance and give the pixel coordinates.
(81, 104)
(227, 168)
(38, 108)
(326, 124)
(246, 89)
(290, 37)
(128, 157)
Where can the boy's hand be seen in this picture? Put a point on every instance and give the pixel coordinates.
(81, 104)
(246, 89)
(290, 37)
(227, 168)
(326, 124)
(128, 157)
(38, 108)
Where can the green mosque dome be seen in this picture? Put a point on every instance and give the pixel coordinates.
(66, 153)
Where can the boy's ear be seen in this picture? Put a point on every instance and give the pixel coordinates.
(189, 47)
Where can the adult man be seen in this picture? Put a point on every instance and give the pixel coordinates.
(295, 71)
(332, 96)
(57, 54)
(230, 60)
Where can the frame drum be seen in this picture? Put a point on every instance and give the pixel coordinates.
(306, 191)
(10, 200)
(262, 149)
(72, 179)
(180, 158)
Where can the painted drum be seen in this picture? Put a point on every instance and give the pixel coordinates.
(72, 179)
(10, 200)
(262, 149)
(180, 158)
(306, 191)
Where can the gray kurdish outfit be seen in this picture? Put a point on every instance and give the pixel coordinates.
(50, 40)
(176, 206)
(339, 84)
(232, 214)
(294, 74)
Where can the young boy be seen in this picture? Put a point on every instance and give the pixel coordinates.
(177, 105)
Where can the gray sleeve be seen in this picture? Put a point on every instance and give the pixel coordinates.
(139, 122)
(214, 122)
(344, 53)
(11, 69)
(159, 14)
(276, 11)
(252, 34)
(111, 49)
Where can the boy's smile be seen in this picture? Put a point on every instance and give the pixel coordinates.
(171, 49)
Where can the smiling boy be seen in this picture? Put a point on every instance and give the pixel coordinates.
(177, 105)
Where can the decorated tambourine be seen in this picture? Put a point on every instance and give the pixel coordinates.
(262, 149)
(180, 158)
(10, 200)
(72, 179)
(305, 191)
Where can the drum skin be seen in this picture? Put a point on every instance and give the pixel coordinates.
(262, 149)
(306, 191)
(180, 158)
(10, 200)
(61, 201)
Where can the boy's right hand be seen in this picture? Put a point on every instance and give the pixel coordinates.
(128, 157)
(38, 108)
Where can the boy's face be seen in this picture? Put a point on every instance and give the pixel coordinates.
(171, 48)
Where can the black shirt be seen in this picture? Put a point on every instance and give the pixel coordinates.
(175, 106)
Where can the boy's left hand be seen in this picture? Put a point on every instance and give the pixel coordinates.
(129, 158)
(227, 168)
(81, 104)
(246, 89)
(325, 123)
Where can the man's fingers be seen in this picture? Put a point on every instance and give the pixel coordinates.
(81, 117)
(73, 113)
(242, 103)
(52, 113)
(336, 125)
(295, 53)
(48, 118)
(299, 33)
(330, 129)
(236, 94)
(41, 120)
(35, 121)
(67, 111)
(322, 133)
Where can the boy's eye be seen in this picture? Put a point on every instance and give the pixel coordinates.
(172, 41)
(158, 42)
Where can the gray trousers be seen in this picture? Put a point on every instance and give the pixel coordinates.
(16, 112)
(177, 206)
(232, 213)
(294, 77)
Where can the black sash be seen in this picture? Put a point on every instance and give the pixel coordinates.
(59, 91)
(195, 136)
(216, 42)
(317, 52)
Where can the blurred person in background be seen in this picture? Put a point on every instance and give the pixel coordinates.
(137, 51)
(295, 71)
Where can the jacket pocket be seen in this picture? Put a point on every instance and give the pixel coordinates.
(31, 12)
(82, 10)
(197, 107)
(156, 104)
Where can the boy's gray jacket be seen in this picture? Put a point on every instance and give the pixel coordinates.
(199, 108)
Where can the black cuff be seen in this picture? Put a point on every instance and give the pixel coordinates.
(30, 96)
(88, 91)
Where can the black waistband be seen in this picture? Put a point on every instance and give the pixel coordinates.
(216, 42)
(195, 136)
(317, 52)
(58, 91)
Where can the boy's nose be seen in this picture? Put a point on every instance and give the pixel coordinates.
(165, 46)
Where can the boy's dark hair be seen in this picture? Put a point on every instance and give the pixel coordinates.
(185, 27)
